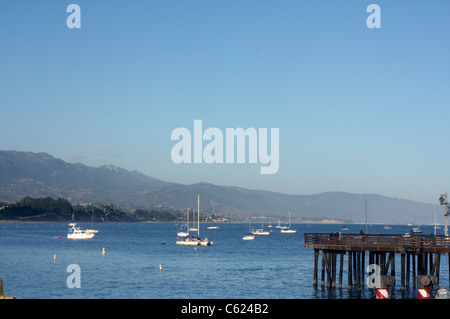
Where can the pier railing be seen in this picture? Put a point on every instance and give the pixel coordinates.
(378, 242)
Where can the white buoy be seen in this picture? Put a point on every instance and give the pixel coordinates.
(103, 251)
(54, 256)
(160, 267)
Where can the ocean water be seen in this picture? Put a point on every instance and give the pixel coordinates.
(270, 267)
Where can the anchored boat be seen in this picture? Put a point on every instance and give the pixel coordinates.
(195, 240)
(261, 231)
(75, 232)
(288, 230)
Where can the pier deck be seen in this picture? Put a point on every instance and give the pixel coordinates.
(378, 242)
(422, 252)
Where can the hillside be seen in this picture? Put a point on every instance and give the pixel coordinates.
(36, 175)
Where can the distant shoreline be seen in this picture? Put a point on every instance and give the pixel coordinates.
(18, 221)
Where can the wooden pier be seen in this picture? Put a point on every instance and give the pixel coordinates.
(419, 255)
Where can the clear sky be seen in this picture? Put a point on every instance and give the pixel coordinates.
(358, 110)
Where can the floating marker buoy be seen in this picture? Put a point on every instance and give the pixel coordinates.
(103, 251)
(160, 267)
(54, 256)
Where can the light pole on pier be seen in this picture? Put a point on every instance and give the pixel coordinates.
(443, 201)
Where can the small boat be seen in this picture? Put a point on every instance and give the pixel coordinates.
(260, 232)
(205, 242)
(387, 227)
(288, 230)
(278, 226)
(57, 237)
(90, 230)
(188, 241)
(75, 232)
(248, 237)
(442, 293)
(185, 233)
(416, 230)
(213, 227)
(345, 228)
(182, 234)
(195, 240)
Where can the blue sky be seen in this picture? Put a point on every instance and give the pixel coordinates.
(359, 110)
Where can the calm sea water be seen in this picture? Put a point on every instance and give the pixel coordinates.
(270, 267)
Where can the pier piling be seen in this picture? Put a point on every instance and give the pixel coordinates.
(419, 255)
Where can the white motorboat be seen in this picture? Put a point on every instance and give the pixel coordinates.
(213, 227)
(75, 232)
(416, 230)
(288, 230)
(182, 234)
(248, 237)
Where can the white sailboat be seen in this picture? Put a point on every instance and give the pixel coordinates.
(205, 241)
(249, 236)
(195, 240)
(288, 230)
(185, 233)
(186, 238)
(260, 231)
(91, 230)
(279, 226)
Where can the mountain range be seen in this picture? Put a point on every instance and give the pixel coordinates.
(42, 175)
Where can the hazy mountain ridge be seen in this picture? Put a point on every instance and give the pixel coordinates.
(40, 175)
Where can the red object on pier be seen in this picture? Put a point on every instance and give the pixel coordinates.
(382, 293)
(424, 293)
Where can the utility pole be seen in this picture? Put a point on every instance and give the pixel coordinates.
(365, 206)
(443, 201)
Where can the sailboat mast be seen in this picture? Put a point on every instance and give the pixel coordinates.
(289, 219)
(198, 216)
